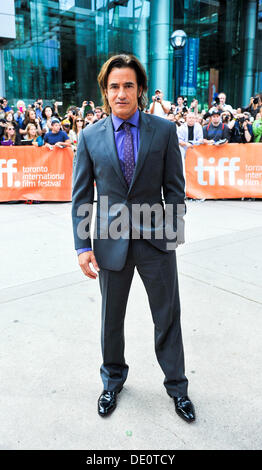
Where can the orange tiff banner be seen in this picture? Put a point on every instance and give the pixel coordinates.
(226, 171)
(36, 173)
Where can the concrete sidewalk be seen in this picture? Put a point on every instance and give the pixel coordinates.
(50, 337)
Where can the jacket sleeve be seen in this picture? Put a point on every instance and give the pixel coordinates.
(82, 196)
(174, 185)
(198, 133)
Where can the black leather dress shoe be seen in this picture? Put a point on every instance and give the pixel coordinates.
(107, 402)
(184, 408)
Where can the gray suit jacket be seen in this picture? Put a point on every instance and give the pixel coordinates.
(158, 168)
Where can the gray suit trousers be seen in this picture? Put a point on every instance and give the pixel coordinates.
(158, 271)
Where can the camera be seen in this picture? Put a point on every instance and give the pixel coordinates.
(215, 102)
(157, 98)
(1, 101)
(206, 116)
(242, 119)
(255, 100)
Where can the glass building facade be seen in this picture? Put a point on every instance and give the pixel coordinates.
(60, 46)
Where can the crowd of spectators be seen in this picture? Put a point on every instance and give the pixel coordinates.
(219, 124)
(40, 125)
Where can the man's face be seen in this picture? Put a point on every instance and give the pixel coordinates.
(190, 119)
(56, 127)
(215, 119)
(180, 101)
(122, 92)
(89, 117)
(171, 117)
(222, 98)
(98, 113)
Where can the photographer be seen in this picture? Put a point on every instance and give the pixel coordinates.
(39, 108)
(181, 105)
(242, 132)
(222, 103)
(255, 105)
(19, 116)
(159, 107)
(86, 103)
(219, 103)
(215, 130)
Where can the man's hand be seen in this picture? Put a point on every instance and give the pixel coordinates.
(84, 259)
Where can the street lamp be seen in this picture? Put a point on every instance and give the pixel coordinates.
(178, 40)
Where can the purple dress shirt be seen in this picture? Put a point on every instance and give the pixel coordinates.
(119, 135)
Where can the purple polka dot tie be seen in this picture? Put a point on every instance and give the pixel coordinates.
(129, 159)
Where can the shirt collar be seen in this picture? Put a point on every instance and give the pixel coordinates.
(117, 122)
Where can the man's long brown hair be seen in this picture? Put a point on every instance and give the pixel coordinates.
(121, 61)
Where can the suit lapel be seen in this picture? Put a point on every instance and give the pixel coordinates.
(146, 132)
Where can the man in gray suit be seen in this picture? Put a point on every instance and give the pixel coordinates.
(132, 157)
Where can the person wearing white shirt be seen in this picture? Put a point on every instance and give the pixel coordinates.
(159, 107)
(222, 106)
(189, 134)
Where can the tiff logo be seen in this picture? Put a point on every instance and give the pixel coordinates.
(7, 166)
(220, 169)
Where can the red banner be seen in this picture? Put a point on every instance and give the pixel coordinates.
(226, 171)
(35, 173)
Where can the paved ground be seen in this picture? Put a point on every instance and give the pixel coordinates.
(50, 337)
